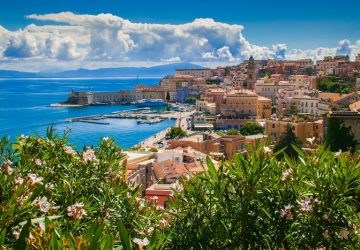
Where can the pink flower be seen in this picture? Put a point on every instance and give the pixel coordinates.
(287, 175)
(16, 233)
(89, 155)
(8, 170)
(76, 211)
(286, 212)
(49, 186)
(307, 204)
(69, 150)
(35, 179)
(19, 181)
(267, 150)
(38, 162)
(44, 205)
(141, 243)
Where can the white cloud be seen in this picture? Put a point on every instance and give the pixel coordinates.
(106, 39)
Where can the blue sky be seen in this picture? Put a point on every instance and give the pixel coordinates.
(281, 26)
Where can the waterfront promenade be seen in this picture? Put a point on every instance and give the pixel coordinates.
(181, 120)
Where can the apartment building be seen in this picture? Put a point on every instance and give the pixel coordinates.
(239, 104)
(270, 89)
(302, 129)
(196, 73)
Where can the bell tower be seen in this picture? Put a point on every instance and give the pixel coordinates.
(251, 74)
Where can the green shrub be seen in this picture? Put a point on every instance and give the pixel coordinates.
(258, 202)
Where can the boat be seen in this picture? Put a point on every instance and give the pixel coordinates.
(151, 103)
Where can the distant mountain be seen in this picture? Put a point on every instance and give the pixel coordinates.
(155, 71)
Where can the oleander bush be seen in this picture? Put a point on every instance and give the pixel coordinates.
(54, 197)
(52, 194)
(259, 202)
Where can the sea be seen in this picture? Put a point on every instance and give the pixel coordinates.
(25, 110)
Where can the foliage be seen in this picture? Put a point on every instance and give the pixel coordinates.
(53, 197)
(286, 141)
(232, 131)
(211, 82)
(251, 128)
(337, 84)
(338, 136)
(293, 110)
(52, 194)
(191, 100)
(258, 202)
(175, 132)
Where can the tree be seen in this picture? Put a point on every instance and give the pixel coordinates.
(338, 136)
(191, 100)
(293, 109)
(175, 132)
(286, 140)
(232, 131)
(251, 128)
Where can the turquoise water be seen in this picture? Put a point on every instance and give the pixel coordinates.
(25, 109)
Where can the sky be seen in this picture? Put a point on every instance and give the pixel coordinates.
(47, 35)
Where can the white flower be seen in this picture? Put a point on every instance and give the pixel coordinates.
(76, 211)
(338, 153)
(287, 174)
(89, 155)
(19, 181)
(286, 212)
(150, 230)
(16, 233)
(49, 186)
(105, 139)
(69, 150)
(163, 223)
(307, 204)
(38, 162)
(311, 139)
(141, 243)
(44, 205)
(9, 170)
(267, 150)
(344, 234)
(35, 179)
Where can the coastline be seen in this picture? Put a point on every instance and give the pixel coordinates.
(181, 121)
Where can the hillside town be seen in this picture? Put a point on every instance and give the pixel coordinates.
(270, 95)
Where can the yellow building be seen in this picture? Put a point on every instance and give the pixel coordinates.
(263, 107)
(303, 130)
(239, 103)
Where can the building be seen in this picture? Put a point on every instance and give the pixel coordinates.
(87, 98)
(251, 74)
(206, 107)
(270, 89)
(263, 107)
(330, 64)
(212, 143)
(302, 129)
(239, 104)
(160, 194)
(196, 73)
(301, 81)
(182, 94)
